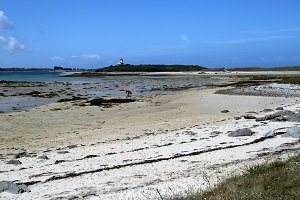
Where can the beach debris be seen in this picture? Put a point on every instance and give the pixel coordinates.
(13, 187)
(241, 132)
(14, 162)
(293, 132)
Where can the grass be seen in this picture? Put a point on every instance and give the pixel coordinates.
(276, 180)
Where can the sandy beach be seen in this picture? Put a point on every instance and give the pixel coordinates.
(166, 143)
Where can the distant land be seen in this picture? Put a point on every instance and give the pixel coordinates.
(150, 68)
(153, 68)
(185, 68)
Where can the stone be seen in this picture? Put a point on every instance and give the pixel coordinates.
(241, 132)
(279, 108)
(20, 155)
(249, 117)
(13, 187)
(293, 132)
(225, 111)
(14, 162)
(63, 152)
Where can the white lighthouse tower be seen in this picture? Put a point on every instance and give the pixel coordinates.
(121, 62)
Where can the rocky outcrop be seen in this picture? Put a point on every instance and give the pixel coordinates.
(277, 116)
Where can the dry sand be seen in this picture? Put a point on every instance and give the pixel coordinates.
(130, 151)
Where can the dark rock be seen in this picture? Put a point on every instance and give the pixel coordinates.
(237, 118)
(63, 152)
(20, 155)
(279, 108)
(106, 102)
(72, 146)
(267, 110)
(13, 187)
(249, 117)
(44, 157)
(225, 111)
(59, 161)
(14, 162)
(241, 132)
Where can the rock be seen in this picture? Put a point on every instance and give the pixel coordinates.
(44, 157)
(101, 101)
(72, 146)
(278, 116)
(249, 117)
(241, 132)
(20, 155)
(13, 187)
(293, 132)
(63, 152)
(237, 118)
(279, 108)
(267, 110)
(14, 162)
(225, 111)
(294, 118)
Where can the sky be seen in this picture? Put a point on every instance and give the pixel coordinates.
(97, 33)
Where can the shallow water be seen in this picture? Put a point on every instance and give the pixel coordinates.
(67, 87)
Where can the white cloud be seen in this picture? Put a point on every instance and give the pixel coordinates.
(88, 56)
(56, 58)
(5, 23)
(91, 56)
(186, 39)
(11, 44)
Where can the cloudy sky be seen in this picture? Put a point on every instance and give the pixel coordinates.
(95, 33)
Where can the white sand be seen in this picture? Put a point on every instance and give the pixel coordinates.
(172, 132)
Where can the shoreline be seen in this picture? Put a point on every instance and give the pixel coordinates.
(156, 143)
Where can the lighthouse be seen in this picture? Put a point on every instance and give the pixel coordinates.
(121, 62)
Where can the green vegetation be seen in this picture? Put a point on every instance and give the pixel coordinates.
(150, 68)
(276, 180)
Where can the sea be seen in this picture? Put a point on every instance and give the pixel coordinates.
(107, 86)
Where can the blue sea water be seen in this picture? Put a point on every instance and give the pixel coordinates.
(38, 76)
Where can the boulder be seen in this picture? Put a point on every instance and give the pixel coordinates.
(279, 108)
(13, 187)
(241, 132)
(293, 132)
(14, 162)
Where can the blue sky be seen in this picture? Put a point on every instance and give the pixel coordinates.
(96, 33)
